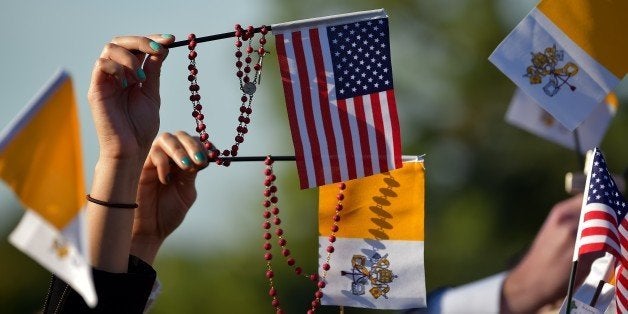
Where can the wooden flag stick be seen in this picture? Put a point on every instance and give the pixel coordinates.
(210, 38)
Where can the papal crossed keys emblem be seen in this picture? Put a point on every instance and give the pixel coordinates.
(546, 64)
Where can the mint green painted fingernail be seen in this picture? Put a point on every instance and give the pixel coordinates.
(199, 156)
(186, 161)
(140, 74)
(155, 46)
(125, 83)
(167, 36)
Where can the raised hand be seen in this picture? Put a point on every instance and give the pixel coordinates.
(166, 190)
(124, 95)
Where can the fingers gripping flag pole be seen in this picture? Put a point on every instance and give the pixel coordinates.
(567, 55)
(337, 79)
(379, 248)
(41, 161)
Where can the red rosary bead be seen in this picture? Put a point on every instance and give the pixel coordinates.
(270, 199)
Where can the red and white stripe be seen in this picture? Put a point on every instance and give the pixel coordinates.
(599, 233)
(621, 289)
(335, 140)
(599, 230)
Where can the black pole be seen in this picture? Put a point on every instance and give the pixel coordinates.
(572, 279)
(258, 158)
(597, 293)
(210, 38)
(578, 148)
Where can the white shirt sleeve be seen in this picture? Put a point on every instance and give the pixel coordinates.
(482, 296)
(154, 293)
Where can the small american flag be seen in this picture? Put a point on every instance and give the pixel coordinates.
(337, 80)
(603, 224)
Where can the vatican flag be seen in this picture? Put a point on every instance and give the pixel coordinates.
(567, 55)
(527, 114)
(377, 261)
(41, 161)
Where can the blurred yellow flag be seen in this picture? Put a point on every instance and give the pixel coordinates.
(41, 160)
(378, 256)
(40, 155)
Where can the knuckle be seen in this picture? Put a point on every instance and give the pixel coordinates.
(181, 133)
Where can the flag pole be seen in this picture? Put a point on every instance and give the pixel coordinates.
(572, 279)
(257, 158)
(292, 158)
(578, 147)
(574, 265)
(211, 38)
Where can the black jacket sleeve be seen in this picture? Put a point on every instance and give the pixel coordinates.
(117, 293)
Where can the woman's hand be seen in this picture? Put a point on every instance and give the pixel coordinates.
(166, 191)
(124, 95)
(124, 100)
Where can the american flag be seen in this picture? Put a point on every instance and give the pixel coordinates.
(603, 224)
(338, 86)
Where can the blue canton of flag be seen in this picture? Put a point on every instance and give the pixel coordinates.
(602, 188)
(361, 57)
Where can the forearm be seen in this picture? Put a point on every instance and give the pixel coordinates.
(115, 181)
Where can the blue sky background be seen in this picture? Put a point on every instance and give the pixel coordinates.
(40, 37)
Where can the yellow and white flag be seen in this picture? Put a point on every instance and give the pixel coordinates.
(378, 256)
(41, 161)
(567, 55)
(525, 113)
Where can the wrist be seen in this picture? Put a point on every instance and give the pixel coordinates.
(519, 294)
(145, 248)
